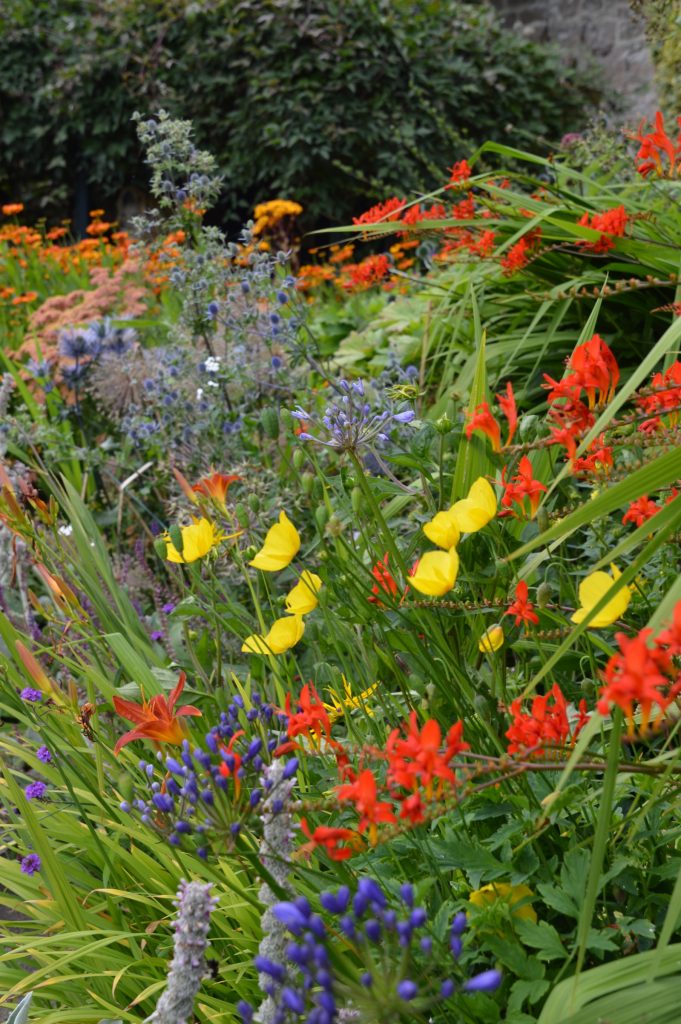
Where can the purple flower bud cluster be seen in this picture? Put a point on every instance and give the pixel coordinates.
(352, 423)
(208, 792)
(31, 864)
(399, 978)
(194, 907)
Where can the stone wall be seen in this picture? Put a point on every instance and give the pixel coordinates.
(600, 30)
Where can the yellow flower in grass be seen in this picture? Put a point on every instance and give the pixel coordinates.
(283, 635)
(349, 702)
(282, 544)
(592, 589)
(198, 539)
(436, 573)
(442, 530)
(491, 640)
(477, 508)
(303, 598)
(516, 896)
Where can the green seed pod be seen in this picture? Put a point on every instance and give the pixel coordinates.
(542, 519)
(444, 424)
(321, 517)
(253, 502)
(242, 516)
(317, 489)
(161, 547)
(269, 421)
(306, 482)
(298, 459)
(589, 687)
(334, 527)
(124, 785)
(175, 534)
(356, 497)
(544, 591)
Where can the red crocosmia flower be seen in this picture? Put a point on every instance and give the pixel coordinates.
(156, 719)
(385, 581)
(640, 511)
(411, 808)
(418, 759)
(639, 675)
(595, 369)
(389, 210)
(311, 718)
(215, 486)
(483, 420)
(232, 761)
(522, 486)
(509, 409)
(600, 460)
(416, 214)
(370, 271)
(546, 727)
(483, 245)
(363, 793)
(516, 258)
(459, 173)
(465, 210)
(654, 146)
(521, 607)
(611, 224)
(328, 838)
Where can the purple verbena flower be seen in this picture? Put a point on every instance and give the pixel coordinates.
(29, 693)
(35, 790)
(43, 754)
(31, 864)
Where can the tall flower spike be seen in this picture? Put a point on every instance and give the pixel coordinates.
(188, 967)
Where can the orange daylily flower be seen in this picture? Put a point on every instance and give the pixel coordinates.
(156, 719)
(215, 487)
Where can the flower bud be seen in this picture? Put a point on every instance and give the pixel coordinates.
(175, 534)
(542, 519)
(298, 459)
(321, 517)
(543, 594)
(356, 497)
(269, 421)
(306, 482)
(443, 425)
(242, 516)
(253, 502)
(161, 547)
(334, 527)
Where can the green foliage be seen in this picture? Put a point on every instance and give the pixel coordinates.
(318, 100)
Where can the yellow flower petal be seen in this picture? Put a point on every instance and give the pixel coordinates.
(303, 598)
(442, 530)
(284, 634)
(592, 589)
(197, 540)
(436, 573)
(477, 508)
(491, 640)
(282, 544)
(511, 894)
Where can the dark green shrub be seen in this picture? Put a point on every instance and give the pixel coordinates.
(328, 101)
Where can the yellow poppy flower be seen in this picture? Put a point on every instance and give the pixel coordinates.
(197, 540)
(511, 894)
(592, 589)
(477, 508)
(284, 634)
(491, 640)
(436, 573)
(303, 598)
(282, 544)
(442, 530)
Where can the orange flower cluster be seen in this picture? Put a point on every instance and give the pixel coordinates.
(664, 401)
(522, 607)
(518, 256)
(657, 153)
(645, 677)
(547, 727)
(611, 224)
(519, 487)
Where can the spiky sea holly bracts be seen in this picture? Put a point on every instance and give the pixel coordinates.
(549, 725)
(403, 968)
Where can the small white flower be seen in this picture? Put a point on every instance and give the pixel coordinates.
(199, 394)
(66, 530)
(212, 364)
(213, 384)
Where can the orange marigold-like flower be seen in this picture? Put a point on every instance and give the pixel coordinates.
(12, 209)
